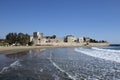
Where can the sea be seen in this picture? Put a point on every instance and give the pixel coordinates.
(78, 63)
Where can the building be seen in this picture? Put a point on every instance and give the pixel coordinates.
(70, 38)
(56, 40)
(37, 38)
(87, 40)
(81, 40)
(31, 38)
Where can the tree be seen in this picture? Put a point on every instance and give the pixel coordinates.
(20, 38)
(65, 39)
(11, 38)
(30, 43)
(27, 38)
(54, 36)
(23, 39)
(102, 41)
(47, 37)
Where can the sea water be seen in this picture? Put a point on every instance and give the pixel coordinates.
(111, 53)
(80, 63)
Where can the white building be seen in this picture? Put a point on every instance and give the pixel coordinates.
(81, 40)
(37, 37)
(70, 38)
(31, 38)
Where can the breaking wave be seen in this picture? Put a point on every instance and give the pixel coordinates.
(109, 50)
(61, 68)
(106, 54)
(13, 65)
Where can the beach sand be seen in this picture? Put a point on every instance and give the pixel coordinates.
(14, 49)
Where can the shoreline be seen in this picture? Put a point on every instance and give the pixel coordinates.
(15, 49)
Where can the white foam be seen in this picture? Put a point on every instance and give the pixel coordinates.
(117, 51)
(107, 55)
(13, 65)
(4, 69)
(16, 63)
(41, 70)
(61, 68)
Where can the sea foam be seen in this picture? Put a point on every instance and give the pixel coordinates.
(12, 65)
(60, 68)
(112, 55)
(109, 50)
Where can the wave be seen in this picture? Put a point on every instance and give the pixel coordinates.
(106, 55)
(54, 64)
(4, 69)
(13, 65)
(109, 50)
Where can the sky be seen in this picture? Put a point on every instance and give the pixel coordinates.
(98, 19)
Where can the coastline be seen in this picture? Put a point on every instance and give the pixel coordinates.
(15, 49)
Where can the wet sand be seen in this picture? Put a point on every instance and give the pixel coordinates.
(14, 49)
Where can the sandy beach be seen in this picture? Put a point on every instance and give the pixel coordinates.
(14, 49)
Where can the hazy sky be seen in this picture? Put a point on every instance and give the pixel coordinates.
(99, 19)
